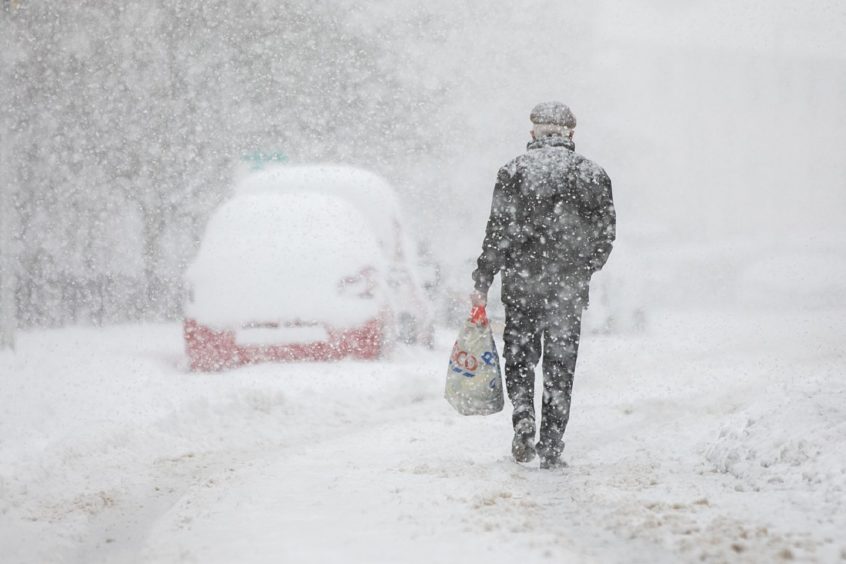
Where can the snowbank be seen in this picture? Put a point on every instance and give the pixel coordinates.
(790, 438)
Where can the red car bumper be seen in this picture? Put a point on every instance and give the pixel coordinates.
(211, 350)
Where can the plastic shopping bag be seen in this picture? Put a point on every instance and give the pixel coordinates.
(474, 379)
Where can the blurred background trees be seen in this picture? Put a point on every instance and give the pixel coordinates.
(126, 120)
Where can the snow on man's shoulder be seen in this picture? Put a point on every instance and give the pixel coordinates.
(589, 170)
(508, 170)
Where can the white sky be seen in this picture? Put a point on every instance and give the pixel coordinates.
(815, 27)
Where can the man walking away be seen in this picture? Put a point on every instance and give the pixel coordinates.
(552, 225)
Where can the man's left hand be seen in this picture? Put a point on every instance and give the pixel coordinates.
(478, 299)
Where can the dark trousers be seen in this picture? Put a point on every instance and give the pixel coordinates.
(557, 325)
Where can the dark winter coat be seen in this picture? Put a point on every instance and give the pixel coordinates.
(552, 225)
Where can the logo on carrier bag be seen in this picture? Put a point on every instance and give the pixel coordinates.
(463, 362)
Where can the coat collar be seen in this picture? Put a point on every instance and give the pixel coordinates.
(552, 141)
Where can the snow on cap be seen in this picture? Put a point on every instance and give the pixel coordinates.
(553, 113)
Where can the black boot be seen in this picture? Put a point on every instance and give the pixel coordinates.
(523, 445)
(550, 457)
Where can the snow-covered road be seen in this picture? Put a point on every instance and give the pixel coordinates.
(715, 435)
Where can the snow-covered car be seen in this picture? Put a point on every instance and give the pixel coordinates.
(375, 199)
(286, 276)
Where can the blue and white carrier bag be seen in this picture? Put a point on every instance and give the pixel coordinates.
(474, 379)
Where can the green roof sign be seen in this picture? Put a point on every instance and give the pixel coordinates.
(258, 159)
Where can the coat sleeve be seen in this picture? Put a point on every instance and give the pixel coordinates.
(603, 219)
(496, 245)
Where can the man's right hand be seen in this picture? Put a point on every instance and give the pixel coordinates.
(477, 298)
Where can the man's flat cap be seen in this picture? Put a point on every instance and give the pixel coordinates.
(553, 113)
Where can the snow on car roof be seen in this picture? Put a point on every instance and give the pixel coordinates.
(370, 193)
(267, 257)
